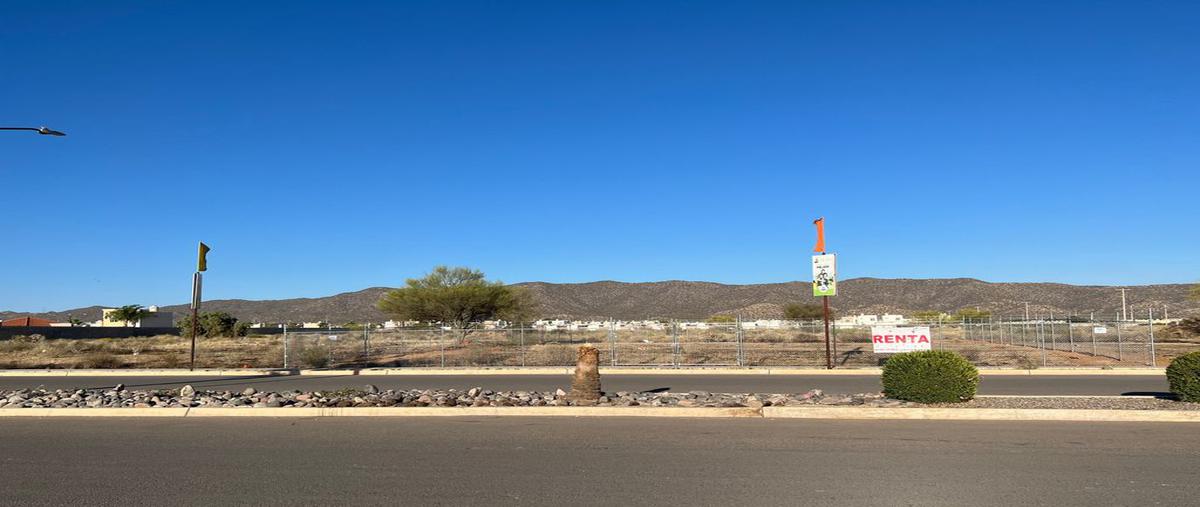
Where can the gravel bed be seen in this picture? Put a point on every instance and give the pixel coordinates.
(371, 396)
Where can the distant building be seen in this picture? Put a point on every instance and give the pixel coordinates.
(26, 322)
(886, 319)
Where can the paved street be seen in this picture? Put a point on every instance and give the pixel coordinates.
(1028, 385)
(622, 461)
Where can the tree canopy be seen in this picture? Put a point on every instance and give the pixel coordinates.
(130, 314)
(458, 297)
(930, 316)
(799, 311)
(214, 324)
(972, 315)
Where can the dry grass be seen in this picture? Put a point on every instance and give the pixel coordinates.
(162, 351)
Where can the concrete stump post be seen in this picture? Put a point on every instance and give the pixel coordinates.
(585, 385)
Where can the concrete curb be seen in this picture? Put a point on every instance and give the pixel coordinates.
(143, 373)
(545, 371)
(843, 413)
(1077, 372)
(981, 414)
(707, 412)
(703, 371)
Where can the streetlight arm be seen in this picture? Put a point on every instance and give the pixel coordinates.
(41, 130)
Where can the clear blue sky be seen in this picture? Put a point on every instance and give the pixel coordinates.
(322, 147)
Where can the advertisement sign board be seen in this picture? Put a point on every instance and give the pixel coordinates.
(824, 275)
(894, 340)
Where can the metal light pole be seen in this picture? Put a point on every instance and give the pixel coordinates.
(41, 130)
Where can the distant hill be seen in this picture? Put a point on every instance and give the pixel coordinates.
(697, 300)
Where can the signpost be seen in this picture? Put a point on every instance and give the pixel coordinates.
(197, 280)
(824, 277)
(895, 340)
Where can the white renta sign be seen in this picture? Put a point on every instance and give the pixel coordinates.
(894, 340)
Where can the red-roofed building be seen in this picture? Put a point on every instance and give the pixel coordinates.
(26, 322)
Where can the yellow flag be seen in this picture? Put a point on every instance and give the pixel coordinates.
(202, 259)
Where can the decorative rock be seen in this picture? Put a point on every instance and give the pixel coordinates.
(474, 397)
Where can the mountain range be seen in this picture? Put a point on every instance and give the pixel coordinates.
(698, 300)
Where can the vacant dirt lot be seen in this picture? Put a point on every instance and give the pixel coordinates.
(514, 348)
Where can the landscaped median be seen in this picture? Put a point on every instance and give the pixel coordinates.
(370, 401)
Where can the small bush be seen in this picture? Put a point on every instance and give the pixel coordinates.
(1183, 375)
(30, 339)
(97, 360)
(14, 346)
(552, 355)
(931, 376)
(1025, 363)
(170, 360)
(973, 355)
(315, 357)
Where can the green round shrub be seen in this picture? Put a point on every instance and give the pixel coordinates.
(1183, 375)
(930, 376)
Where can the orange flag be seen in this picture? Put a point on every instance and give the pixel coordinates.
(820, 223)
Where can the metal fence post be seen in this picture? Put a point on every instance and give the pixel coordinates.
(1053, 340)
(522, 329)
(1070, 333)
(612, 343)
(1093, 325)
(1119, 351)
(285, 347)
(1153, 359)
(1042, 339)
(737, 335)
(442, 346)
(675, 341)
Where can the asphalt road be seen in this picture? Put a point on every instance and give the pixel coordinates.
(1025, 385)
(593, 461)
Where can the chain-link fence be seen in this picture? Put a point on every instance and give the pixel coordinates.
(995, 343)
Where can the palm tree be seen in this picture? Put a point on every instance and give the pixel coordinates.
(130, 314)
